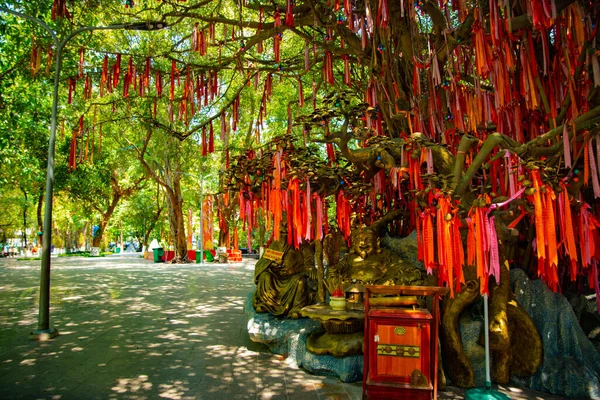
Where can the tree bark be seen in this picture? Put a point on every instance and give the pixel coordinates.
(176, 215)
(172, 185)
(116, 197)
(118, 193)
(320, 271)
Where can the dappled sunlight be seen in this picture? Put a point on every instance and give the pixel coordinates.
(133, 329)
(132, 385)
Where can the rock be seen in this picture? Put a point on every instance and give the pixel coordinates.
(288, 337)
(406, 248)
(276, 332)
(571, 363)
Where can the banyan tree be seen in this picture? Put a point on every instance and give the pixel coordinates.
(473, 124)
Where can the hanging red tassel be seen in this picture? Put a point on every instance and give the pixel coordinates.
(382, 13)
(277, 47)
(276, 18)
(73, 149)
(540, 230)
(133, 74)
(127, 79)
(72, 85)
(87, 92)
(202, 45)
(330, 153)
(211, 32)
(59, 10)
(116, 71)
(236, 112)
(215, 85)
(158, 83)
(172, 89)
(289, 14)
(328, 68)
(195, 44)
(347, 78)
(343, 214)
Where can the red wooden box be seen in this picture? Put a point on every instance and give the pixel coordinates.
(400, 347)
(400, 350)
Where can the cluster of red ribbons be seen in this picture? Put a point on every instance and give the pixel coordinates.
(439, 241)
(304, 211)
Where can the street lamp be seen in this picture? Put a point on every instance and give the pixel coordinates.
(44, 332)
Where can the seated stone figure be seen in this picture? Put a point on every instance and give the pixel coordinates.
(281, 285)
(369, 263)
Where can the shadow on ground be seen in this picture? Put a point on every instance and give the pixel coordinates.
(131, 329)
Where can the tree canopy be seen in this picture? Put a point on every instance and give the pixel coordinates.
(430, 114)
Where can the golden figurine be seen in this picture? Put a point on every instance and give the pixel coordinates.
(369, 263)
(281, 279)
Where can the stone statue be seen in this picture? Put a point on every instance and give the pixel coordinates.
(281, 279)
(369, 263)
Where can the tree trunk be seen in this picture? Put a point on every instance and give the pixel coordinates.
(176, 215)
(320, 271)
(172, 185)
(106, 217)
(223, 234)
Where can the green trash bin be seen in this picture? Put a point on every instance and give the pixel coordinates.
(198, 256)
(158, 253)
(207, 254)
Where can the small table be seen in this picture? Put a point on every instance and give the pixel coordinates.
(344, 330)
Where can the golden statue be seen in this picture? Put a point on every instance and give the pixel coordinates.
(281, 279)
(369, 263)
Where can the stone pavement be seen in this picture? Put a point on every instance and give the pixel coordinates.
(132, 329)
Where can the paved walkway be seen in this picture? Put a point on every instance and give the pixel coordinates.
(132, 329)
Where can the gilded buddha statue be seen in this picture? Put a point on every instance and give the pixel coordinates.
(369, 263)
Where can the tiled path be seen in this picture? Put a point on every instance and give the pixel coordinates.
(132, 329)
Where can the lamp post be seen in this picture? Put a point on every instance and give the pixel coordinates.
(44, 332)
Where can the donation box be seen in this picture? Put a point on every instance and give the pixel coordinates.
(400, 358)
